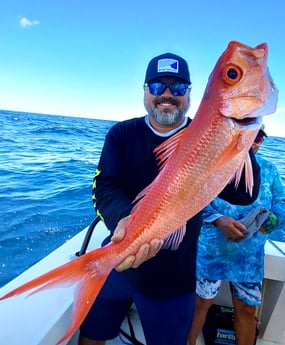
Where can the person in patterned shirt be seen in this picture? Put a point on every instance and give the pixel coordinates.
(226, 252)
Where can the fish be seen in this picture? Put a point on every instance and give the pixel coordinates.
(195, 165)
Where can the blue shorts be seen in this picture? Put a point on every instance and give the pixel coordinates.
(249, 293)
(165, 321)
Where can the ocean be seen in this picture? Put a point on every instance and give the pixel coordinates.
(46, 173)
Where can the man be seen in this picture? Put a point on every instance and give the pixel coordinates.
(227, 252)
(161, 282)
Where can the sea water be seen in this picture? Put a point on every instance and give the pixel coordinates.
(47, 167)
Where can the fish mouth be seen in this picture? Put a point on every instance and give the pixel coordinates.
(246, 121)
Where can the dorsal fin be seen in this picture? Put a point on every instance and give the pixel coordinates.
(167, 148)
(162, 152)
(140, 196)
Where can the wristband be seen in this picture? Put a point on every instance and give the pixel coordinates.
(270, 223)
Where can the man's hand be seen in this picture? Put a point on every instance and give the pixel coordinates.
(145, 252)
(230, 227)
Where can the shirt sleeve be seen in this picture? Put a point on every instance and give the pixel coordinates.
(111, 202)
(210, 214)
(278, 197)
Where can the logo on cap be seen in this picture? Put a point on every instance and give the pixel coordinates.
(167, 65)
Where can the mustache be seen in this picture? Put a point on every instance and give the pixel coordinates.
(169, 100)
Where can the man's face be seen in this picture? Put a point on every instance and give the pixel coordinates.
(166, 109)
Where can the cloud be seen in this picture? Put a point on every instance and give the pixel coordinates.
(24, 22)
(281, 109)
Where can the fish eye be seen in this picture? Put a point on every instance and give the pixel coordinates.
(231, 74)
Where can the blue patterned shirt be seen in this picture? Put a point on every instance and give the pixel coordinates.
(239, 261)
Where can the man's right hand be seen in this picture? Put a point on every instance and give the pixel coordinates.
(145, 252)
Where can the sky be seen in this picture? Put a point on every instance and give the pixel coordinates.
(88, 58)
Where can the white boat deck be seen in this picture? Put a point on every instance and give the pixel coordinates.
(140, 336)
(43, 318)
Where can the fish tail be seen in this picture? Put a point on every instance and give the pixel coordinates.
(89, 272)
(63, 275)
(85, 295)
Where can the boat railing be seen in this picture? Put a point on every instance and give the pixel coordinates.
(87, 237)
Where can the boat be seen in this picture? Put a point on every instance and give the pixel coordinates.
(43, 318)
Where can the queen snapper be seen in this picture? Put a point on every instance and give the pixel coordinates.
(196, 164)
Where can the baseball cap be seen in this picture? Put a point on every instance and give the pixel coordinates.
(167, 65)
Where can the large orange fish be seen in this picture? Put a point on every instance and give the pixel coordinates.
(196, 164)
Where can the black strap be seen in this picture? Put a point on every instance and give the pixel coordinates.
(131, 337)
(87, 237)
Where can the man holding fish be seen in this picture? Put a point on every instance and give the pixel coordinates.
(155, 175)
(160, 278)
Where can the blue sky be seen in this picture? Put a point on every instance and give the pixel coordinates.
(88, 58)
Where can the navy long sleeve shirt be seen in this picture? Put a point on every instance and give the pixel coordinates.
(127, 165)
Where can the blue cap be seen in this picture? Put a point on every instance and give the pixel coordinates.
(167, 65)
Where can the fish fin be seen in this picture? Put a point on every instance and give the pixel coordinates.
(64, 275)
(168, 147)
(230, 151)
(248, 174)
(86, 271)
(173, 240)
(140, 196)
(163, 152)
(85, 295)
(49, 279)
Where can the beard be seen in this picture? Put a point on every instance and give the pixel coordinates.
(167, 118)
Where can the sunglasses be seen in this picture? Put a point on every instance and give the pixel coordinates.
(258, 140)
(176, 89)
